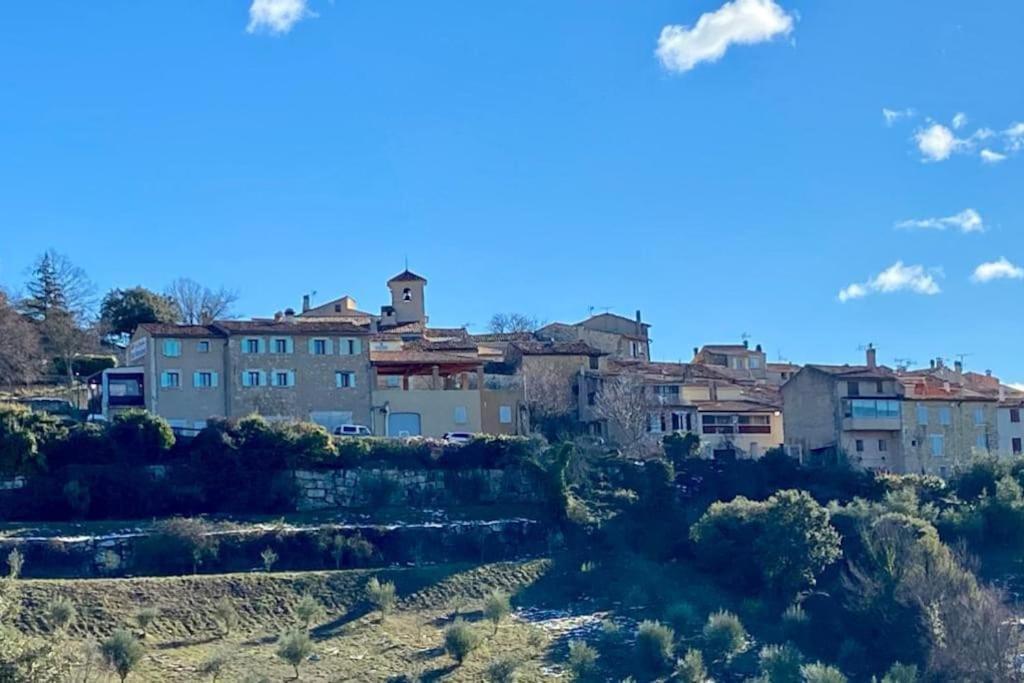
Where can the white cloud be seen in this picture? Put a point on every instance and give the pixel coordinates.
(959, 121)
(895, 278)
(967, 220)
(1014, 137)
(740, 22)
(997, 270)
(891, 116)
(936, 142)
(277, 16)
(990, 157)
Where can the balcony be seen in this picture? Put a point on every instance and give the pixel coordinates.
(871, 424)
(869, 414)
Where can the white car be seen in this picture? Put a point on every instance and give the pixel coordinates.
(459, 437)
(352, 430)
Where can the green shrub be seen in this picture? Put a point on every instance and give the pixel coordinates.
(294, 647)
(214, 665)
(901, 673)
(654, 645)
(724, 635)
(581, 661)
(140, 437)
(226, 616)
(682, 616)
(144, 618)
(308, 610)
(822, 673)
(380, 595)
(780, 664)
(504, 670)
(269, 558)
(460, 639)
(176, 545)
(60, 614)
(691, 669)
(122, 652)
(25, 437)
(496, 608)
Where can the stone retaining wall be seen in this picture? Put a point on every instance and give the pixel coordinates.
(359, 488)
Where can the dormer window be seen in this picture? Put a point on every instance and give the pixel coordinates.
(406, 294)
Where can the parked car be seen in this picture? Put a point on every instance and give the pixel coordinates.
(352, 430)
(459, 437)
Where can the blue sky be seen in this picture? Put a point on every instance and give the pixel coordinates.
(539, 156)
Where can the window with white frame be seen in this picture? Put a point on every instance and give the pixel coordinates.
(170, 379)
(204, 379)
(461, 415)
(282, 378)
(203, 346)
(393, 381)
(251, 345)
(505, 414)
(319, 347)
(254, 378)
(172, 348)
(281, 345)
(350, 346)
(344, 380)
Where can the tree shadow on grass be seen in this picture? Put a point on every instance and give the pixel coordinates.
(186, 642)
(438, 673)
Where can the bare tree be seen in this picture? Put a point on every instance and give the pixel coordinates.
(199, 305)
(548, 390)
(502, 323)
(623, 403)
(20, 353)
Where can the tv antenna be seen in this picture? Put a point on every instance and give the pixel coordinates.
(904, 363)
(593, 308)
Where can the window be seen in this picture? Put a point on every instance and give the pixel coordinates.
(595, 362)
(755, 363)
(944, 418)
(1016, 445)
(654, 423)
(393, 381)
(981, 442)
(979, 416)
(938, 445)
(859, 445)
(922, 414)
(170, 379)
(880, 387)
(203, 346)
(350, 347)
(253, 378)
(318, 347)
(282, 345)
(883, 445)
(172, 348)
(461, 417)
(505, 415)
(204, 379)
(406, 294)
(634, 349)
(667, 391)
(872, 408)
(282, 378)
(250, 346)
(1014, 414)
(853, 388)
(344, 380)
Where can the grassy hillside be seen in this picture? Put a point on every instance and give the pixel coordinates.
(351, 645)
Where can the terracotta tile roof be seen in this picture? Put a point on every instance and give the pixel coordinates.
(423, 357)
(434, 332)
(930, 388)
(556, 348)
(739, 406)
(174, 330)
(504, 337)
(286, 327)
(782, 367)
(879, 371)
(407, 276)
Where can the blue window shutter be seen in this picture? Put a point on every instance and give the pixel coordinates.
(195, 379)
(351, 379)
(310, 344)
(357, 346)
(291, 378)
(245, 379)
(262, 345)
(263, 378)
(213, 379)
(289, 345)
(163, 378)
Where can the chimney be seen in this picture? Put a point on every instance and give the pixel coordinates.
(305, 302)
(871, 356)
(746, 344)
(695, 351)
(938, 362)
(1002, 393)
(932, 363)
(758, 348)
(639, 324)
(278, 316)
(958, 366)
(289, 315)
(988, 373)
